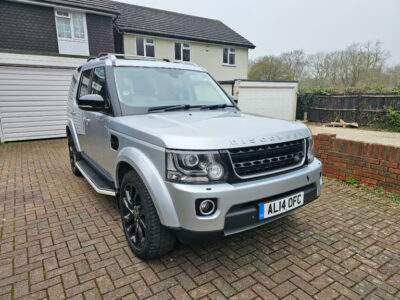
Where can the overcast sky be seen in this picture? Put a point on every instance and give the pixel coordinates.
(277, 26)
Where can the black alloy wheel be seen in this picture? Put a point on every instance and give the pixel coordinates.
(133, 217)
(145, 234)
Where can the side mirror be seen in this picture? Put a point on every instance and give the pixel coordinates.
(92, 102)
(235, 100)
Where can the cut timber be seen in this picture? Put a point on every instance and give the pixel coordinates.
(342, 124)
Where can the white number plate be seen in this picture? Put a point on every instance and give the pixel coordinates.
(277, 207)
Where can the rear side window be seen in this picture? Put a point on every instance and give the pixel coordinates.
(99, 83)
(84, 88)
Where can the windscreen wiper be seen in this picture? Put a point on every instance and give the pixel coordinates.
(216, 106)
(173, 107)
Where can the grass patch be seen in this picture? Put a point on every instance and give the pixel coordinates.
(380, 192)
(375, 190)
(352, 181)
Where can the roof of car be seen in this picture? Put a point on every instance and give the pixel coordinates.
(111, 60)
(146, 20)
(104, 6)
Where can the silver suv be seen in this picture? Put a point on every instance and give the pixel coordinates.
(181, 158)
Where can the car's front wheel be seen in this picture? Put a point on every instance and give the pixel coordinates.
(143, 230)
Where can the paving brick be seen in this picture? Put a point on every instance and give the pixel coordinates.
(363, 288)
(224, 287)
(141, 290)
(105, 284)
(61, 239)
(304, 285)
(178, 292)
(202, 291)
(263, 292)
(149, 276)
(125, 291)
(284, 289)
(56, 292)
(243, 283)
(322, 281)
(327, 294)
(163, 285)
(300, 294)
(244, 295)
(186, 282)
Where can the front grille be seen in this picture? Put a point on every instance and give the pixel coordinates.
(267, 159)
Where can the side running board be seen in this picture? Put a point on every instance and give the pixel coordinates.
(96, 181)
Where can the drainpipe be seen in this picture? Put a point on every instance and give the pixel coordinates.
(236, 89)
(119, 32)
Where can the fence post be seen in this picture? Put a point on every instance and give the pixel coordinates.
(357, 116)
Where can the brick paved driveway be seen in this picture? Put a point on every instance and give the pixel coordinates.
(58, 238)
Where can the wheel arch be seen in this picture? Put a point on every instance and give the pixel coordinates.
(71, 131)
(154, 183)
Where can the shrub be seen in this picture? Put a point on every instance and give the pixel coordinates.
(393, 119)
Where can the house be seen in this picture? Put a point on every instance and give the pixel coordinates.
(41, 43)
(70, 27)
(209, 43)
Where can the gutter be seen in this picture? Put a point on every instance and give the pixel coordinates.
(68, 7)
(144, 32)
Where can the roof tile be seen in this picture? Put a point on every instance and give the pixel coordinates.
(105, 6)
(139, 19)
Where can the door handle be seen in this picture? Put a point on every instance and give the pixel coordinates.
(87, 120)
(73, 112)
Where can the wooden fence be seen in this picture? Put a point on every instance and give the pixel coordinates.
(365, 109)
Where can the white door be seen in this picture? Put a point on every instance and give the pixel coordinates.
(33, 102)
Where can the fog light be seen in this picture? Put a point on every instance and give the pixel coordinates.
(207, 207)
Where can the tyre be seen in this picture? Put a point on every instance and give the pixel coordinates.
(73, 157)
(146, 237)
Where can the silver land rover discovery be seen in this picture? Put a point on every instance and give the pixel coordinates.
(181, 158)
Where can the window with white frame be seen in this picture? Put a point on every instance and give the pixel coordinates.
(70, 25)
(182, 51)
(145, 47)
(229, 56)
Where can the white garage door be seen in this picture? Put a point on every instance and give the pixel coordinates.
(272, 99)
(33, 102)
(33, 99)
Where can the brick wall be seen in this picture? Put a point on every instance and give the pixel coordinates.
(27, 27)
(372, 164)
(101, 34)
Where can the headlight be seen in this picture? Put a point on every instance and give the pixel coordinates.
(195, 167)
(310, 149)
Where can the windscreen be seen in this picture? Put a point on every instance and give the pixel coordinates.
(140, 88)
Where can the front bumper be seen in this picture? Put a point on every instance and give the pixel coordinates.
(230, 216)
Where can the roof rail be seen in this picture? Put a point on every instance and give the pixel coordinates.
(187, 63)
(90, 58)
(114, 56)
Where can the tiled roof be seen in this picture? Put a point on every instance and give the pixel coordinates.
(104, 6)
(145, 20)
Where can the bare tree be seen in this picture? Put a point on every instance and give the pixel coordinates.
(270, 68)
(348, 67)
(360, 64)
(296, 61)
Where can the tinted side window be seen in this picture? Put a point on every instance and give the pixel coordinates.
(99, 83)
(84, 88)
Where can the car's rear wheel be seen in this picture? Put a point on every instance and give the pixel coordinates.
(73, 156)
(143, 230)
